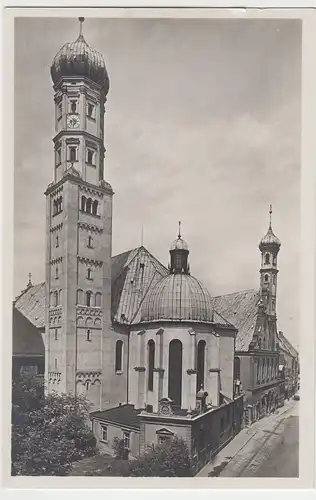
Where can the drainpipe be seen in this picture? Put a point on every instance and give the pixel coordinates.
(127, 386)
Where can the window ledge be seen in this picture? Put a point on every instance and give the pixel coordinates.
(119, 372)
(105, 442)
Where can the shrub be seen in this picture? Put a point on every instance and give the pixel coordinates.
(170, 459)
(48, 433)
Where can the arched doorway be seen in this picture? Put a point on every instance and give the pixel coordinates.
(175, 372)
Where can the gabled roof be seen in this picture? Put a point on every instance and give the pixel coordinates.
(133, 272)
(286, 345)
(31, 303)
(240, 309)
(26, 339)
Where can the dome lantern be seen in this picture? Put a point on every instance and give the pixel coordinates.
(179, 253)
(79, 59)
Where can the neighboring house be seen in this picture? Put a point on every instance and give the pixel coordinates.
(288, 366)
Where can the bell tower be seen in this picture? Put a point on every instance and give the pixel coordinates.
(269, 247)
(78, 227)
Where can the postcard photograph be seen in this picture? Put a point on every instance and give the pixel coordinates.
(157, 194)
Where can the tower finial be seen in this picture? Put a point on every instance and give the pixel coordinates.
(179, 235)
(81, 20)
(270, 212)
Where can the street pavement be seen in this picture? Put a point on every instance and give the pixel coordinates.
(268, 448)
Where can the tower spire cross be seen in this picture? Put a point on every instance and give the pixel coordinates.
(179, 235)
(270, 212)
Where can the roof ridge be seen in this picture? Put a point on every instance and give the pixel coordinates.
(235, 293)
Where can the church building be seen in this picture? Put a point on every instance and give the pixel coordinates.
(152, 351)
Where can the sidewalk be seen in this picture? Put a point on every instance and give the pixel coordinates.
(233, 458)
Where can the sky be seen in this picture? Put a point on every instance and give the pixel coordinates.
(202, 125)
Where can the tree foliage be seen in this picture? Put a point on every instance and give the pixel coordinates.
(170, 459)
(48, 432)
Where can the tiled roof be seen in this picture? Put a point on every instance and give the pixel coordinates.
(133, 272)
(124, 415)
(31, 303)
(26, 338)
(286, 345)
(239, 309)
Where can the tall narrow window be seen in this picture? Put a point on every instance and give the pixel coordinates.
(95, 207)
(89, 276)
(56, 298)
(119, 356)
(87, 385)
(56, 334)
(89, 298)
(72, 154)
(266, 278)
(73, 106)
(88, 335)
(151, 364)
(55, 364)
(98, 299)
(126, 437)
(267, 258)
(258, 371)
(83, 203)
(90, 241)
(90, 157)
(57, 241)
(56, 273)
(89, 205)
(200, 365)
(90, 110)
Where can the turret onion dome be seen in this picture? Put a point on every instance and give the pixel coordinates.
(270, 239)
(79, 59)
(178, 296)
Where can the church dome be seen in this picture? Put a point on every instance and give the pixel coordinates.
(177, 297)
(79, 59)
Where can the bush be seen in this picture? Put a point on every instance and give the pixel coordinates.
(48, 433)
(171, 459)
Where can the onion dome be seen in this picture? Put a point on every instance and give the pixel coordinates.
(177, 297)
(270, 240)
(79, 59)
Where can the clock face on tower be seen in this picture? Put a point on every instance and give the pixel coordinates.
(73, 121)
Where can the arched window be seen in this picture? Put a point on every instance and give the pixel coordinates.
(175, 372)
(56, 298)
(98, 299)
(266, 278)
(119, 356)
(88, 205)
(267, 258)
(73, 106)
(95, 207)
(237, 368)
(83, 203)
(151, 364)
(60, 297)
(89, 298)
(89, 277)
(200, 365)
